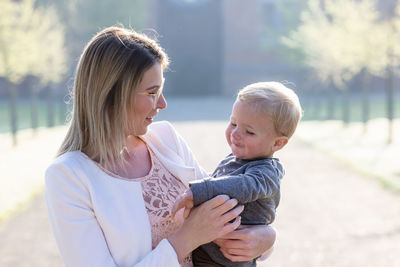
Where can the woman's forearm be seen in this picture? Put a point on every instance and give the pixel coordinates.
(247, 242)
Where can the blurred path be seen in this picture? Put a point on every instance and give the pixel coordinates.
(22, 167)
(26, 238)
(328, 216)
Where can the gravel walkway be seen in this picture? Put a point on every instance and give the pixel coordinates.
(329, 216)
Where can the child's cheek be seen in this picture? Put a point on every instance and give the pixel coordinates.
(228, 132)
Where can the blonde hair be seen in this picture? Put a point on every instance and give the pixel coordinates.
(106, 79)
(277, 101)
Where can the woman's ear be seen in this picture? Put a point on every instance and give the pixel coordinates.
(279, 143)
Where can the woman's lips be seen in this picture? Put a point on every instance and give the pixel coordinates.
(150, 119)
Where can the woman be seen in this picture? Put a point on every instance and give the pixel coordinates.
(111, 189)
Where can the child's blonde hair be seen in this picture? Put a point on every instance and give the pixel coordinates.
(277, 101)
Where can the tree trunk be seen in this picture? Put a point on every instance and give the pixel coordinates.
(331, 103)
(12, 89)
(34, 107)
(50, 106)
(346, 107)
(365, 100)
(390, 103)
(317, 105)
(63, 109)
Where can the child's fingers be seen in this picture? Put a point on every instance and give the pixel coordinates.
(189, 204)
(183, 201)
(177, 206)
(186, 213)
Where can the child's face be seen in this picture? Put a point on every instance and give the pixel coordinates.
(250, 134)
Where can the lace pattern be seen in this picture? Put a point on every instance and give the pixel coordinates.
(160, 190)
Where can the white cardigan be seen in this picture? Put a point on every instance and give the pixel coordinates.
(100, 220)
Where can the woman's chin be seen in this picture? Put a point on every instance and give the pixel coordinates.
(141, 131)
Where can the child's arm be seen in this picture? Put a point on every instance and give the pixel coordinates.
(257, 182)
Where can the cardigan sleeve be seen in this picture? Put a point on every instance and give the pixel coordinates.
(186, 153)
(77, 232)
(174, 152)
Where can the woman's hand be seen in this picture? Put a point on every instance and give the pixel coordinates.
(205, 223)
(247, 242)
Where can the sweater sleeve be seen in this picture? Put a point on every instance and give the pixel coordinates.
(257, 182)
(77, 232)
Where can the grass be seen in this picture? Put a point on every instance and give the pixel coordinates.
(24, 115)
(366, 152)
(316, 108)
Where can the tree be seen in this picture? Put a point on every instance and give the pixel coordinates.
(392, 59)
(339, 39)
(31, 42)
(83, 18)
(52, 67)
(12, 66)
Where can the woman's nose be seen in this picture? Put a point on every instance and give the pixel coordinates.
(161, 102)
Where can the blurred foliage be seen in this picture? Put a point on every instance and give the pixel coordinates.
(84, 18)
(288, 20)
(340, 38)
(31, 42)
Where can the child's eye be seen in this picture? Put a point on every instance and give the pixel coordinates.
(250, 133)
(233, 124)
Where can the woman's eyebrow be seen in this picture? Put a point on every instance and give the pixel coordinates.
(153, 87)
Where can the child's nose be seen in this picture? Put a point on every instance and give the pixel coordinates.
(235, 134)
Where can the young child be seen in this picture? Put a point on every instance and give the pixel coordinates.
(264, 117)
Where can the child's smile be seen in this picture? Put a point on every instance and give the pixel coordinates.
(250, 134)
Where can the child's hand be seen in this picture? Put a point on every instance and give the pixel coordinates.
(183, 201)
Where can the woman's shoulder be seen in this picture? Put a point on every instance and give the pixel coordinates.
(162, 131)
(161, 126)
(69, 159)
(69, 165)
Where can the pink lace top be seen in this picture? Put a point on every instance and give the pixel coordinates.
(160, 190)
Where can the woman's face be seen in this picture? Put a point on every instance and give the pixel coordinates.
(148, 100)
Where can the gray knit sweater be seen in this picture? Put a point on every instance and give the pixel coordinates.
(254, 183)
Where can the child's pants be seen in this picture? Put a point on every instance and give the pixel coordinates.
(201, 259)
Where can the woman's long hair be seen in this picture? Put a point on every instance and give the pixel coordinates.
(107, 76)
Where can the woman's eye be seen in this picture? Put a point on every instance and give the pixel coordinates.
(250, 133)
(233, 124)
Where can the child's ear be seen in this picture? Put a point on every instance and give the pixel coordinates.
(279, 143)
